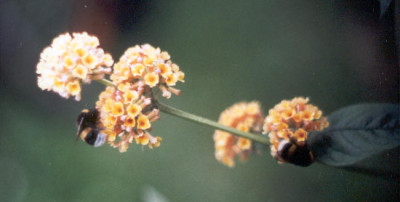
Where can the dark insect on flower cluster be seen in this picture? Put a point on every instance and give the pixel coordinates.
(88, 128)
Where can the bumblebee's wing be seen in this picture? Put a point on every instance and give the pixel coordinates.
(80, 128)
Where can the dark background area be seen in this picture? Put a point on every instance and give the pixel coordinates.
(337, 53)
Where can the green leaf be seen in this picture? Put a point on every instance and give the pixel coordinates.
(356, 133)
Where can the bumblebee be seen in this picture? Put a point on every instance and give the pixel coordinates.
(88, 129)
(295, 152)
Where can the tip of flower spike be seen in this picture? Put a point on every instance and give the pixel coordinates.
(288, 125)
(242, 116)
(69, 61)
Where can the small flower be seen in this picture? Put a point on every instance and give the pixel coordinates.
(74, 88)
(117, 109)
(291, 121)
(151, 79)
(126, 112)
(300, 135)
(155, 142)
(143, 122)
(134, 109)
(243, 116)
(70, 60)
(151, 67)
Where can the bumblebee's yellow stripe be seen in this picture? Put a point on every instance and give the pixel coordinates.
(84, 133)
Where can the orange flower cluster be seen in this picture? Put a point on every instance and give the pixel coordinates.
(243, 116)
(292, 120)
(126, 113)
(150, 66)
(125, 108)
(70, 60)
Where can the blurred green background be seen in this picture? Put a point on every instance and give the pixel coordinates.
(335, 52)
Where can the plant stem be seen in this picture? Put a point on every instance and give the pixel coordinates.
(106, 82)
(197, 119)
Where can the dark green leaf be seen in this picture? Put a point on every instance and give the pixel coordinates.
(355, 133)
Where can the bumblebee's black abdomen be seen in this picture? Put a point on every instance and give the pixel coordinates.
(301, 157)
(296, 154)
(91, 136)
(88, 128)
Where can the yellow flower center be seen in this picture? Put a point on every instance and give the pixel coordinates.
(68, 61)
(80, 52)
(117, 109)
(300, 134)
(171, 79)
(164, 69)
(90, 60)
(74, 88)
(130, 96)
(143, 140)
(244, 144)
(130, 122)
(143, 122)
(80, 71)
(138, 70)
(134, 110)
(151, 79)
(307, 115)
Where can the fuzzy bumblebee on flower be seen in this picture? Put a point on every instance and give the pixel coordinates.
(288, 125)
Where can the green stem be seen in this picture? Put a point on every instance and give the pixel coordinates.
(106, 82)
(197, 119)
(200, 120)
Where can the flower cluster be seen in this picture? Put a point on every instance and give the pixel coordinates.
(126, 110)
(126, 113)
(243, 116)
(148, 65)
(292, 120)
(68, 61)
(125, 107)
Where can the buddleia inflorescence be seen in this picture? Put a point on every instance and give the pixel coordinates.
(291, 121)
(246, 117)
(288, 123)
(71, 60)
(126, 108)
